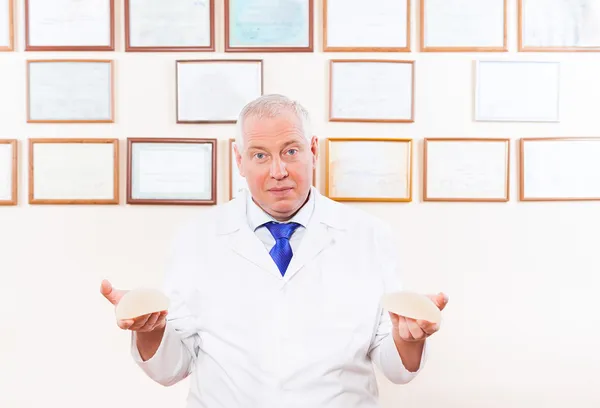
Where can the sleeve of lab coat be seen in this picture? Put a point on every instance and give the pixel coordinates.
(383, 350)
(174, 360)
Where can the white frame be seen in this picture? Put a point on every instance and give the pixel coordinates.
(478, 116)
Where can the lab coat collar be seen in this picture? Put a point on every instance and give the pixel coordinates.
(320, 233)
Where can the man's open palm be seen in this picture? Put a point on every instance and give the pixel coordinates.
(145, 323)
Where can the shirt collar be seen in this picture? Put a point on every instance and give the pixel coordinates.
(257, 216)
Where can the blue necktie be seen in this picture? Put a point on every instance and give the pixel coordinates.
(282, 251)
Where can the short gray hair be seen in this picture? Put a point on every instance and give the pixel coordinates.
(271, 106)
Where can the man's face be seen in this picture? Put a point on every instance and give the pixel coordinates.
(277, 162)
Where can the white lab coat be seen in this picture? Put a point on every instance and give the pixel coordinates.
(249, 337)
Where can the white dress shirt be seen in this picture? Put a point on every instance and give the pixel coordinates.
(248, 337)
(257, 217)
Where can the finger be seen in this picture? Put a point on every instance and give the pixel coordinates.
(416, 331)
(428, 327)
(125, 324)
(394, 318)
(403, 329)
(113, 295)
(149, 325)
(440, 300)
(139, 322)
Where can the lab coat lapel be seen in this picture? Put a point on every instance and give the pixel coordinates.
(241, 239)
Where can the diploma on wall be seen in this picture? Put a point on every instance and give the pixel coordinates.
(6, 25)
(176, 25)
(268, 25)
(560, 169)
(70, 91)
(73, 171)
(171, 171)
(75, 25)
(359, 25)
(8, 172)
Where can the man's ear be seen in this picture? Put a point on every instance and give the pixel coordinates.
(314, 148)
(238, 159)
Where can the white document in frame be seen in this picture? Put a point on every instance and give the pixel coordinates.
(6, 171)
(238, 182)
(373, 23)
(74, 171)
(172, 171)
(518, 91)
(372, 90)
(5, 19)
(470, 170)
(69, 22)
(212, 91)
(181, 23)
(70, 91)
(559, 23)
(562, 169)
(354, 173)
(462, 23)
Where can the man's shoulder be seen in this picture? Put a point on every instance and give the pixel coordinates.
(355, 219)
(206, 222)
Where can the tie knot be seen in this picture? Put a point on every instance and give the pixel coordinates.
(279, 230)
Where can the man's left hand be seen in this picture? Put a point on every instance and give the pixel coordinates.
(412, 330)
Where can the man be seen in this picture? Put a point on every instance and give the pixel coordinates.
(275, 295)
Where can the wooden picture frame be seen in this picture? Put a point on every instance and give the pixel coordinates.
(372, 91)
(129, 47)
(235, 179)
(463, 47)
(109, 46)
(112, 180)
(479, 173)
(184, 198)
(521, 35)
(14, 171)
(370, 6)
(220, 83)
(229, 37)
(404, 181)
(584, 163)
(10, 26)
(68, 79)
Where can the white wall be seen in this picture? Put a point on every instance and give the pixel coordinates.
(523, 278)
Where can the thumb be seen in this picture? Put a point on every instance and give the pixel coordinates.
(113, 295)
(440, 300)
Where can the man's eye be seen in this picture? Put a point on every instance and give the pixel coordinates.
(292, 151)
(259, 156)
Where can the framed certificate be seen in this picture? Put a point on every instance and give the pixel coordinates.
(369, 169)
(560, 169)
(366, 26)
(371, 91)
(466, 169)
(171, 171)
(517, 91)
(69, 25)
(269, 25)
(215, 91)
(7, 27)
(559, 26)
(8, 171)
(464, 25)
(70, 91)
(173, 25)
(73, 171)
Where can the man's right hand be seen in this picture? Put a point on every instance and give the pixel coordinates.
(142, 324)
